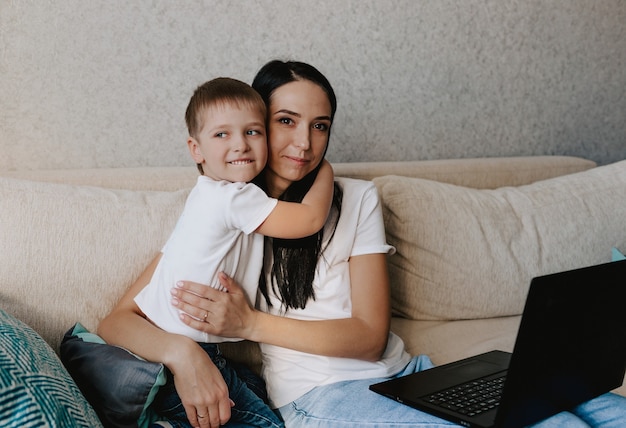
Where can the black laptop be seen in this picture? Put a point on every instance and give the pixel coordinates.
(570, 348)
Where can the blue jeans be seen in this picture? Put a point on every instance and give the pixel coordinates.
(608, 410)
(245, 388)
(351, 404)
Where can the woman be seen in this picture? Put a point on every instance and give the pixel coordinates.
(302, 105)
(325, 312)
(324, 341)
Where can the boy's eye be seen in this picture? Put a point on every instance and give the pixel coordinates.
(254, 132)
(220, 135)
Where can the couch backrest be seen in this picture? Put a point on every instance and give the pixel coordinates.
(70, 250)
(479, 173)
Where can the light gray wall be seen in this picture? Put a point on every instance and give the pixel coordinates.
(105, 83)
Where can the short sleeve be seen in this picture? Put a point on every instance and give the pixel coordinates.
(249, 206)
(370, 235)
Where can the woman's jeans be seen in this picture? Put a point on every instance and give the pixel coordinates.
(351, 404)
(245, 388)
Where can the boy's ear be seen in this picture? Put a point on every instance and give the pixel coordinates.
(194, 149)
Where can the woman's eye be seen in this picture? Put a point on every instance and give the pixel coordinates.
(285, 121)
(321, 126)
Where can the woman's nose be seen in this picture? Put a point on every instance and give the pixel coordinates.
(302, 139)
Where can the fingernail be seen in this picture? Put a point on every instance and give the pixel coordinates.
(175, 302)
(179, 284)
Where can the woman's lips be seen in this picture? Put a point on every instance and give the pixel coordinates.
(298, 161)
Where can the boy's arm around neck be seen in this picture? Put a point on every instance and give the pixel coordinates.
(292, 220)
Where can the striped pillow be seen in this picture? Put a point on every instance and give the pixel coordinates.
(35, 388)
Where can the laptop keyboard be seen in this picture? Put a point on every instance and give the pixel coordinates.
(471, 398)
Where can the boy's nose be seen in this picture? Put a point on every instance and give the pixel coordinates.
(241, 144)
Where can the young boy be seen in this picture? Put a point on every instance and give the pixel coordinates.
(216, 231)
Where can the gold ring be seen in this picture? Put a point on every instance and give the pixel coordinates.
(201, 416)
(206, 314)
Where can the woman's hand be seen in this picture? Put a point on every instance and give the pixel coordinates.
(202, 389)
(226, 314)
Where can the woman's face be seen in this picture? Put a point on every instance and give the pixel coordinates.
(298, 128)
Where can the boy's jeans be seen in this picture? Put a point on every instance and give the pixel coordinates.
(245, 388)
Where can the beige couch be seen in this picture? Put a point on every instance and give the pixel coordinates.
(72, 241)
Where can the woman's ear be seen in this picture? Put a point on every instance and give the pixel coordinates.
(194, 150)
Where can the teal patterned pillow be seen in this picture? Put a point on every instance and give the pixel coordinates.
(617, 255)
(35, 388)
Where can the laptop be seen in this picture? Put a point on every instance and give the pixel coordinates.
(570, 348)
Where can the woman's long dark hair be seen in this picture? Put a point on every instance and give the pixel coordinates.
(295, 260)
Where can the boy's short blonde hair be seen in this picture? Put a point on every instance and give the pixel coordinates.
(221, 90)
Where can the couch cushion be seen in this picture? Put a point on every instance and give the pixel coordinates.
(69, 252)
(35, 388)
(464, 253)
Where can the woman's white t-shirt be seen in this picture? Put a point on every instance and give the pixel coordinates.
(290, 374)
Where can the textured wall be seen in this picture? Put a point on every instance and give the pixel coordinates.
(105, 83)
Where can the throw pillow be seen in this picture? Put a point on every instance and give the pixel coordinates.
(466, 253)
(118, 384)
(36, 389)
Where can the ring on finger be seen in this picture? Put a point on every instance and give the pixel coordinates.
(206, 314)
(202, 416)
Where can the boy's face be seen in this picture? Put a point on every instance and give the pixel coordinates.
(232, 144)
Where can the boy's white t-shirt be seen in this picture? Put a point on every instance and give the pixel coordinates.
(290, 374)
(214, 233)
